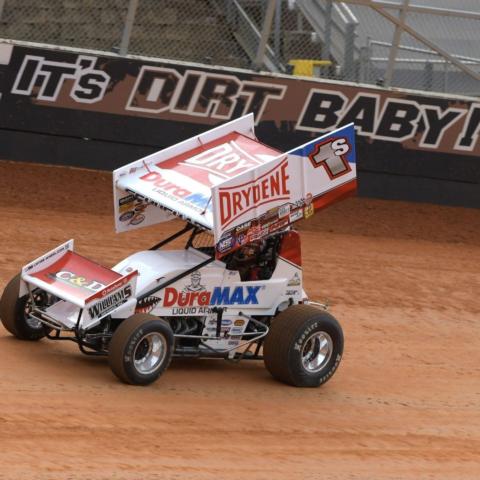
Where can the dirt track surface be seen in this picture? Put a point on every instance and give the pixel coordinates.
(404, 281)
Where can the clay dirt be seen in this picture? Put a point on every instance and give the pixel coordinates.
(402, 278)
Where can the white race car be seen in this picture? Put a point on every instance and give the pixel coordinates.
(235, 290)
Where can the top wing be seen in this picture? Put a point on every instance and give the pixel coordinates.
(179, 179)
(182, 184)
(226, 181)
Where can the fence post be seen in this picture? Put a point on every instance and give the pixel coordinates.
(327, 47)
(229, 11)
(395, 42)
(277, 31)
(127, 28)
(267, 27)
(363, 64)
(428, 78)
(445, 76)
(349, 52)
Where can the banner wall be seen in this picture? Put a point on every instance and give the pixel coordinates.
(99, 110)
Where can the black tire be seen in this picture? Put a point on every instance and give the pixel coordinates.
(294, 337)
(13, 313)
(132, 339)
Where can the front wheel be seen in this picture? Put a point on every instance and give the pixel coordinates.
(141, 349)
(303, 347)
(15, 312)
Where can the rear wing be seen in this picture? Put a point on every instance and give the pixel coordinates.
(79, 281)
(227, 181)
(285, 190)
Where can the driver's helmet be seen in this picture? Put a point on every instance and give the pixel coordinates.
(249, 252)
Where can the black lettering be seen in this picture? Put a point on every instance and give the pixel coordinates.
(362, 113)
(436, 124)
(322, 111)
(113, 301)
(53, 81)
(90, 86)
(217, 97)
(259, 95)
(185, 97)
(470, 133)
(398, 119)
(25, 81)
(154, 89)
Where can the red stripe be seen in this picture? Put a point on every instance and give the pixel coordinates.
(339, 193)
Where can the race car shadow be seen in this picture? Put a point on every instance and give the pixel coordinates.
(54, 360)
(254, 370)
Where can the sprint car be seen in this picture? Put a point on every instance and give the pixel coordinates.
(235, 291)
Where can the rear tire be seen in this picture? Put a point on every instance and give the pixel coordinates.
(303, 347)
(14, 310)
(141, 349)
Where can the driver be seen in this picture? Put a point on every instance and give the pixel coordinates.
(245, 260)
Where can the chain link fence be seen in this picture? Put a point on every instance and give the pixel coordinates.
(353, 40)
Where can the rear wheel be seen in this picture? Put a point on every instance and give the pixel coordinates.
(141, 349)
(14, 312)
(303, 347)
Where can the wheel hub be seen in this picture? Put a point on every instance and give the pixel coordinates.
(150, 353)
(39, 299)
(317, 351)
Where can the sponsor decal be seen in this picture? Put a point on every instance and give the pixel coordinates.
(309, 211)
(254, 232)
(48, 256)
(191, 310)
(243, 226)
(112, 287)
(284, 210)
(162, 185)
(214, 329)
(225, 161)
(126, 203)
(137, 219)
(331, 156)
(126, 216)
(290, 293)
(236, 200)
(236, 330)
(226, 243)
(78, 281)
(241, 238)
(296, 215)
(278, 225)
(146, 305)
(219, 296)
(195, 283)
(108, 304)
(239, 323)
(294, 281)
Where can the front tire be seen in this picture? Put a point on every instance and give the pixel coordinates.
(14, 312)
(303, 347)
(141, 349)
